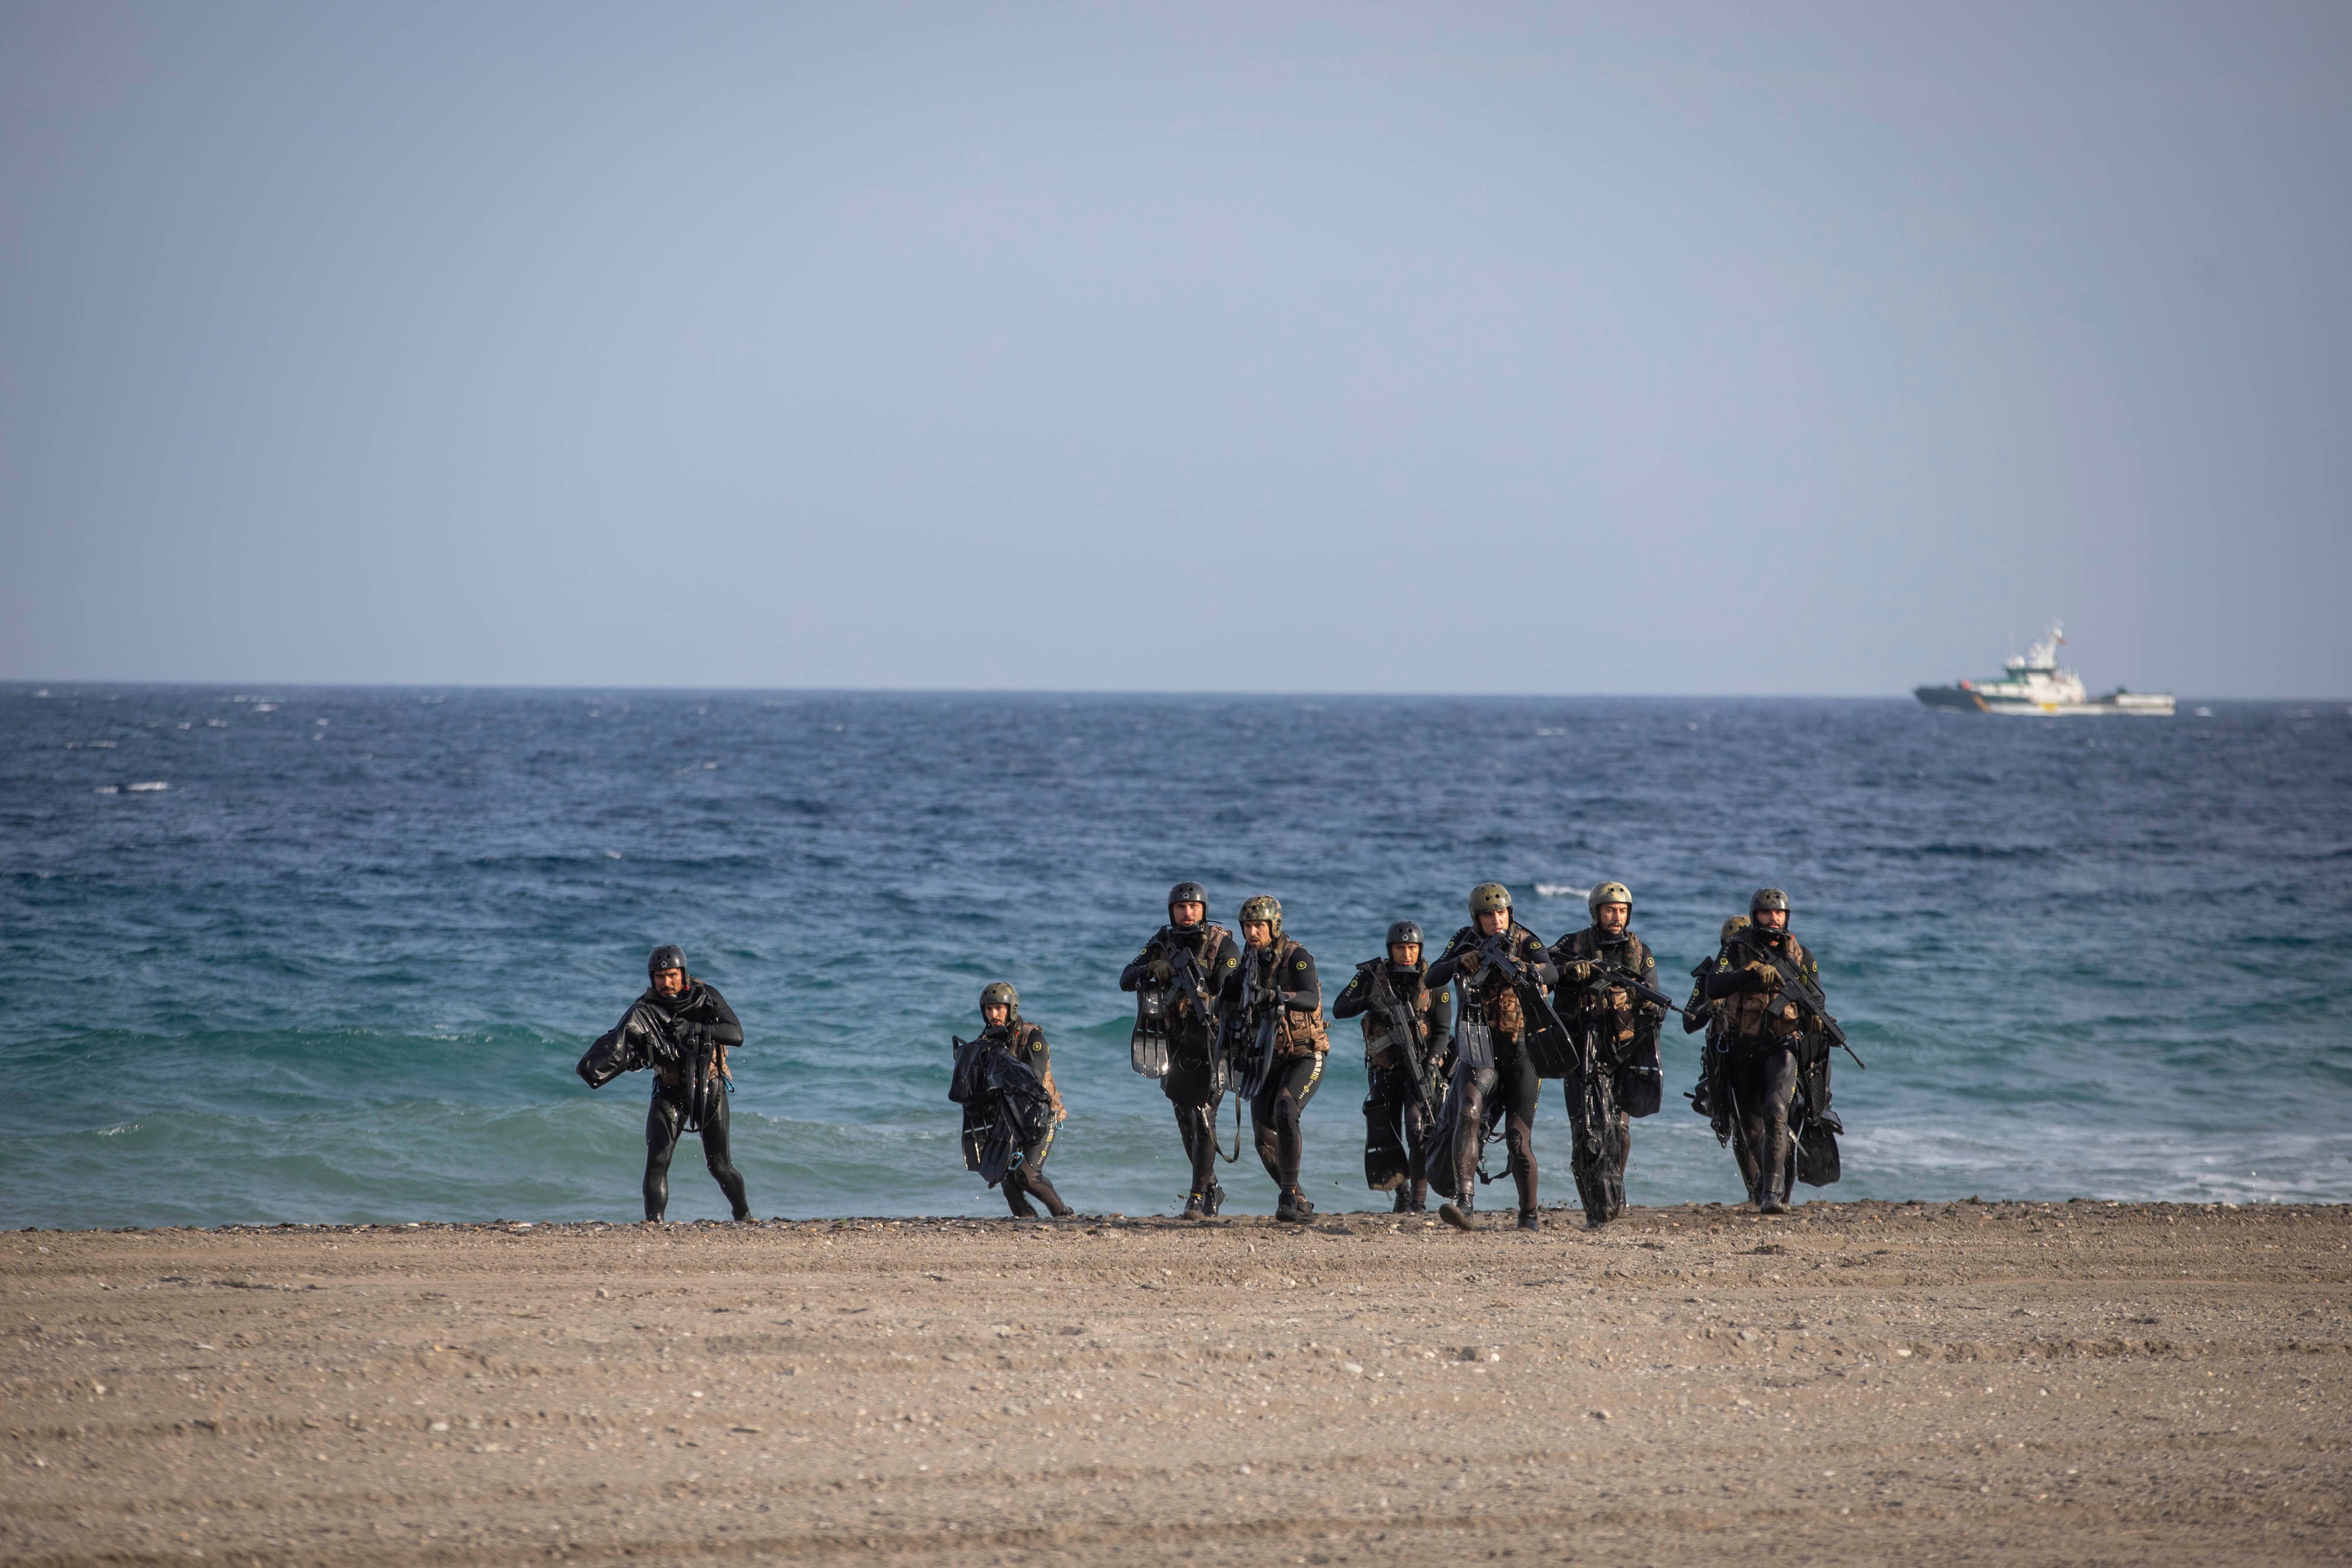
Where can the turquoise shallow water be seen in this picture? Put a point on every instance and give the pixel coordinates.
(338, 969)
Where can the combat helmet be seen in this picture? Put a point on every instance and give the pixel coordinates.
(1610, 893)
(1263, 907)
(1767, 898)
(1188, 892)
(997, 991)
(668, 955)
(1404, 930)
(1490, 895)
(1731, 927)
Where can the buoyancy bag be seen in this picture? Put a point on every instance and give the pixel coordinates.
(634, 1042)
(1006, 1109)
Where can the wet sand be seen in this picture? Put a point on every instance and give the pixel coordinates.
(1855, 1383)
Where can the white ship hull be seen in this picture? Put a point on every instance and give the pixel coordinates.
(2130, 703)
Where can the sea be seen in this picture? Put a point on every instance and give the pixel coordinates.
(296, 954)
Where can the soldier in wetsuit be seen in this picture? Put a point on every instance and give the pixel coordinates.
(1617, 1032)
(695, 1029)
(1497, 1006)
(1707, 1096)
(1191, 1085)
(1000, 1011)
(1396, 1102)
(1278, 977)
(1762, 1044)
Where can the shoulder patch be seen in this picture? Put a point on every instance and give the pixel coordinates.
(1298, 963)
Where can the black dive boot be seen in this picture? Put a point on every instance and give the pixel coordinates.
(1529, 1220)
(1285, 1207)
(1403, 1203)
(1458, 1214)
(1212, 1200)
(1774, 1196)
(1301, 1211)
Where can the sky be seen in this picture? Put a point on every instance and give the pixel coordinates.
(1472, 348)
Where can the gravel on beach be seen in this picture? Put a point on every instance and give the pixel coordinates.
(1851, 1383)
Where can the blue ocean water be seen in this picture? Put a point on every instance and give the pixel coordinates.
(330, 954)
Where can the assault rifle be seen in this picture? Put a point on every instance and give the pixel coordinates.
(1807, 999)
(1607, 976)
(1407, 1029)
(1549, 1044)
(1185, 979)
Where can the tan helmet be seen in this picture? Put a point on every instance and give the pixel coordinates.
(1490, 895)
(1608, 892)
(1767, 898)
(997, 991)
(1732, 927)
(1267, 908)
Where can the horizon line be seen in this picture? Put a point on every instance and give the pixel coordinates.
(10, 683)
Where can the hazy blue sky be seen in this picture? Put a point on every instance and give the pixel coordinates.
(1294, 347)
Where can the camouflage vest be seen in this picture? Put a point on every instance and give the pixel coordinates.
(1499, 1003)
(1380, 1041)
(1610, 1013)
(1296, 1034)
(1749, 1016)
(1027, 1041)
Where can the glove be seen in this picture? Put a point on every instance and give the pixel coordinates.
(1576, 972)
(1471, 962)
(1161, 971)
(1759, 975)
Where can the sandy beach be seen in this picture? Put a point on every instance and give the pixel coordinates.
(2010, 1383)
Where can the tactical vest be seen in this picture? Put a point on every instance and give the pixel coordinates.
(1180, 1019)
(1499, 1003)
(1749, 1017)
(1296, 1034)
(1614, 1013)
(1380, 1044)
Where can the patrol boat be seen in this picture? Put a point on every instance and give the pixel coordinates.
(2036, 685)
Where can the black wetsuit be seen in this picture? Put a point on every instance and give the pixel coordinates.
(1191, 1085)
(698, 1019)
(1516, 1090)
(1280, 1102)
(1395, 1115)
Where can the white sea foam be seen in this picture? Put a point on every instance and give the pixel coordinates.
(149, 787)
(1559, 889)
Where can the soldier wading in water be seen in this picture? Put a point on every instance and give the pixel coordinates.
(1025, 1175)
(1193, 1083)
(1275, 1002)
(1769, 1050)
(1394, 999)
(1616, 1035)
(1491, 998)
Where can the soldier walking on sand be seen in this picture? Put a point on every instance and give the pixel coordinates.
(1617, 1037)
(1194, 1082)
(1765, 1044)
(1407, 1044)
(1023, 1175)
(1491, 998)
(1275, 1003)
